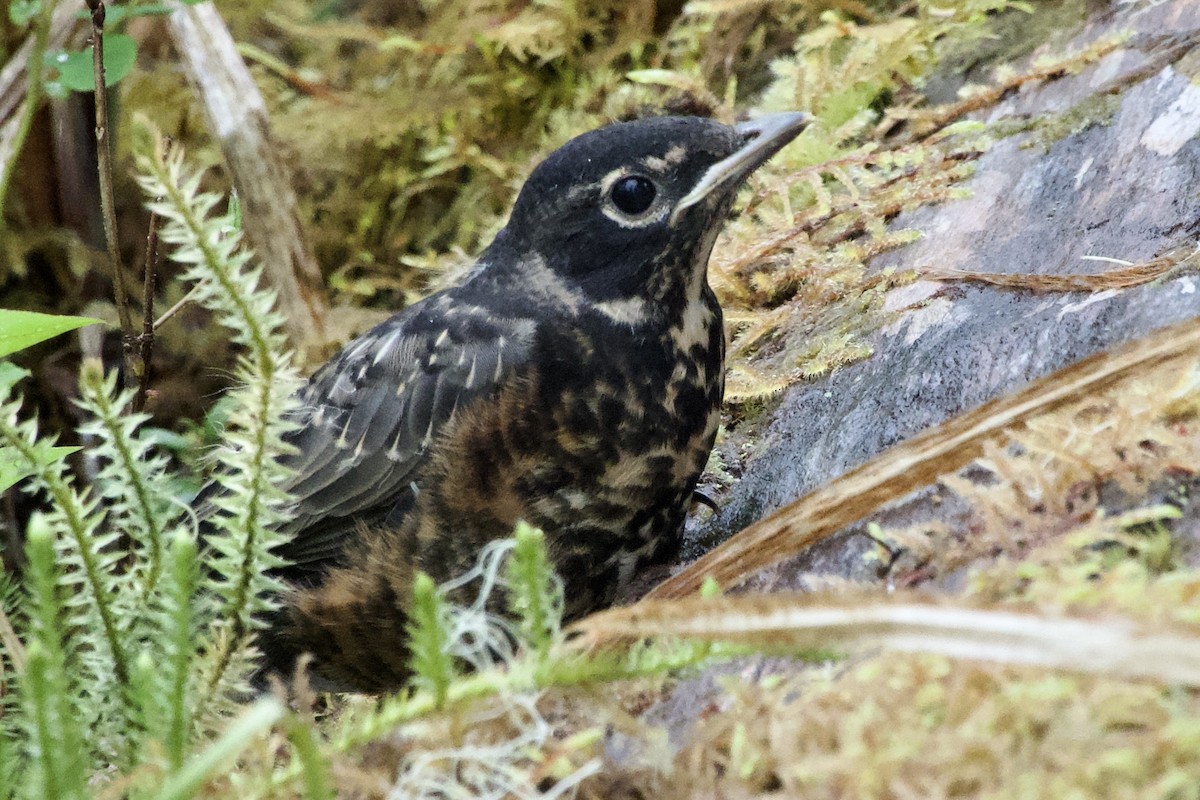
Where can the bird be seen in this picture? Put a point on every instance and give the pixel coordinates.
(572, 380)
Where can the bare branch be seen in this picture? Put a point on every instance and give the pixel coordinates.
(107, 203)
(146, 339)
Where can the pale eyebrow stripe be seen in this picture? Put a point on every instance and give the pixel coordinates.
(656, 164)
(585, 190)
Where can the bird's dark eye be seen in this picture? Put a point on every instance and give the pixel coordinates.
(633, 194)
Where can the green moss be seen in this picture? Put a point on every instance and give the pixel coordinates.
(1096, 109)
(1012, 35)
(927, 727)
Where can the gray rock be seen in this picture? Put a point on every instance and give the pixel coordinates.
(1124, 186)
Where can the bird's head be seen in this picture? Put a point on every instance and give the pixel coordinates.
(631, 210)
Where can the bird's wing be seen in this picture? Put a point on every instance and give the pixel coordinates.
(368, 417)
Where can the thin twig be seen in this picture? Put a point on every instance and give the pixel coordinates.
(1124, 277)
(107, 203)
(173, 310)
(146, 339)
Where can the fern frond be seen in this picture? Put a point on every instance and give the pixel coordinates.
(163, 690)
(55, 744)
(12, 666)
(535, 592)
(132, 478)
(86, 571)
(249, 504)
(429, 639)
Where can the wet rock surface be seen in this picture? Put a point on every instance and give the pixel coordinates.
(1120, 182)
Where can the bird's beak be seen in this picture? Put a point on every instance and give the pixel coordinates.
(762, 138)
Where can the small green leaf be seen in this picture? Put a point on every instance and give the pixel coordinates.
(12, 470)
(10, 376)
(169, 440)
(21, 11)
(213, 425)
(235, 210)
(120, 54)
(75, 67)
(21, 329)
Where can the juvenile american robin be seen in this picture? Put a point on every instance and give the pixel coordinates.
(572, 380)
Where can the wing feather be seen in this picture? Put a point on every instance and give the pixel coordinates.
(371, 414)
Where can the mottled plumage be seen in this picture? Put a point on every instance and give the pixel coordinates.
(572, 380)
